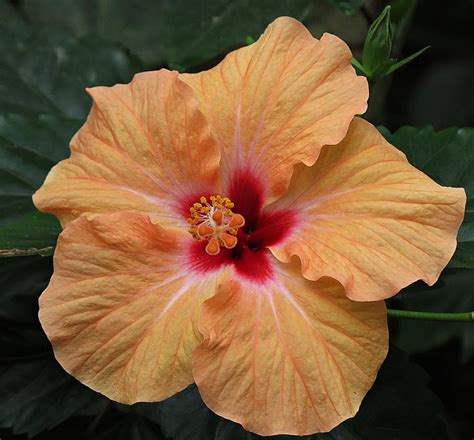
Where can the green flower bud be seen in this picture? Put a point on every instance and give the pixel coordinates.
(378, 46)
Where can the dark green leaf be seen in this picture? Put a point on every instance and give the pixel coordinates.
(37, 394)
(401, 13)
(350, 7)
(42, 104)
(29, 147)
(182, 416)
(399, 406)
(359, 67)
(447, 156)
(191, 35)
(22, 280)
(127, 426)
(250, 40)
(32, 234)
(452, 293)
(8, 13)
(409, 59)
(47, 71)
(452, 380)
(179, 33)
(439, 94)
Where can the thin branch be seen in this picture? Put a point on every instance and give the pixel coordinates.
(454, 317)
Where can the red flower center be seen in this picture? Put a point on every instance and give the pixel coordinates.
(262, 228)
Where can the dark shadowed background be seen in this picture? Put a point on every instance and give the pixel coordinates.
(50, 50)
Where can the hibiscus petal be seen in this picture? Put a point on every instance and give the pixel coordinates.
(277, 102)
(144, 147)
(289, 357)
(369, 219)
(120, 309)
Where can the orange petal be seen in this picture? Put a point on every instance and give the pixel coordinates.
(120, 309)
(277, 102)
(369, 219)
(292, 357)
(144, 147)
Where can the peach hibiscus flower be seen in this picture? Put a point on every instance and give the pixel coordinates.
(239, 228)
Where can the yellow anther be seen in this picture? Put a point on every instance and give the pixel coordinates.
(203, 200)
(197, 206)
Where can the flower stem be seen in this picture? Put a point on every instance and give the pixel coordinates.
(467, 316)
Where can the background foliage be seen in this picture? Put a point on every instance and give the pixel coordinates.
(50, 51)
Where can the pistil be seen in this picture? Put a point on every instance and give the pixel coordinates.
(215, 222)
